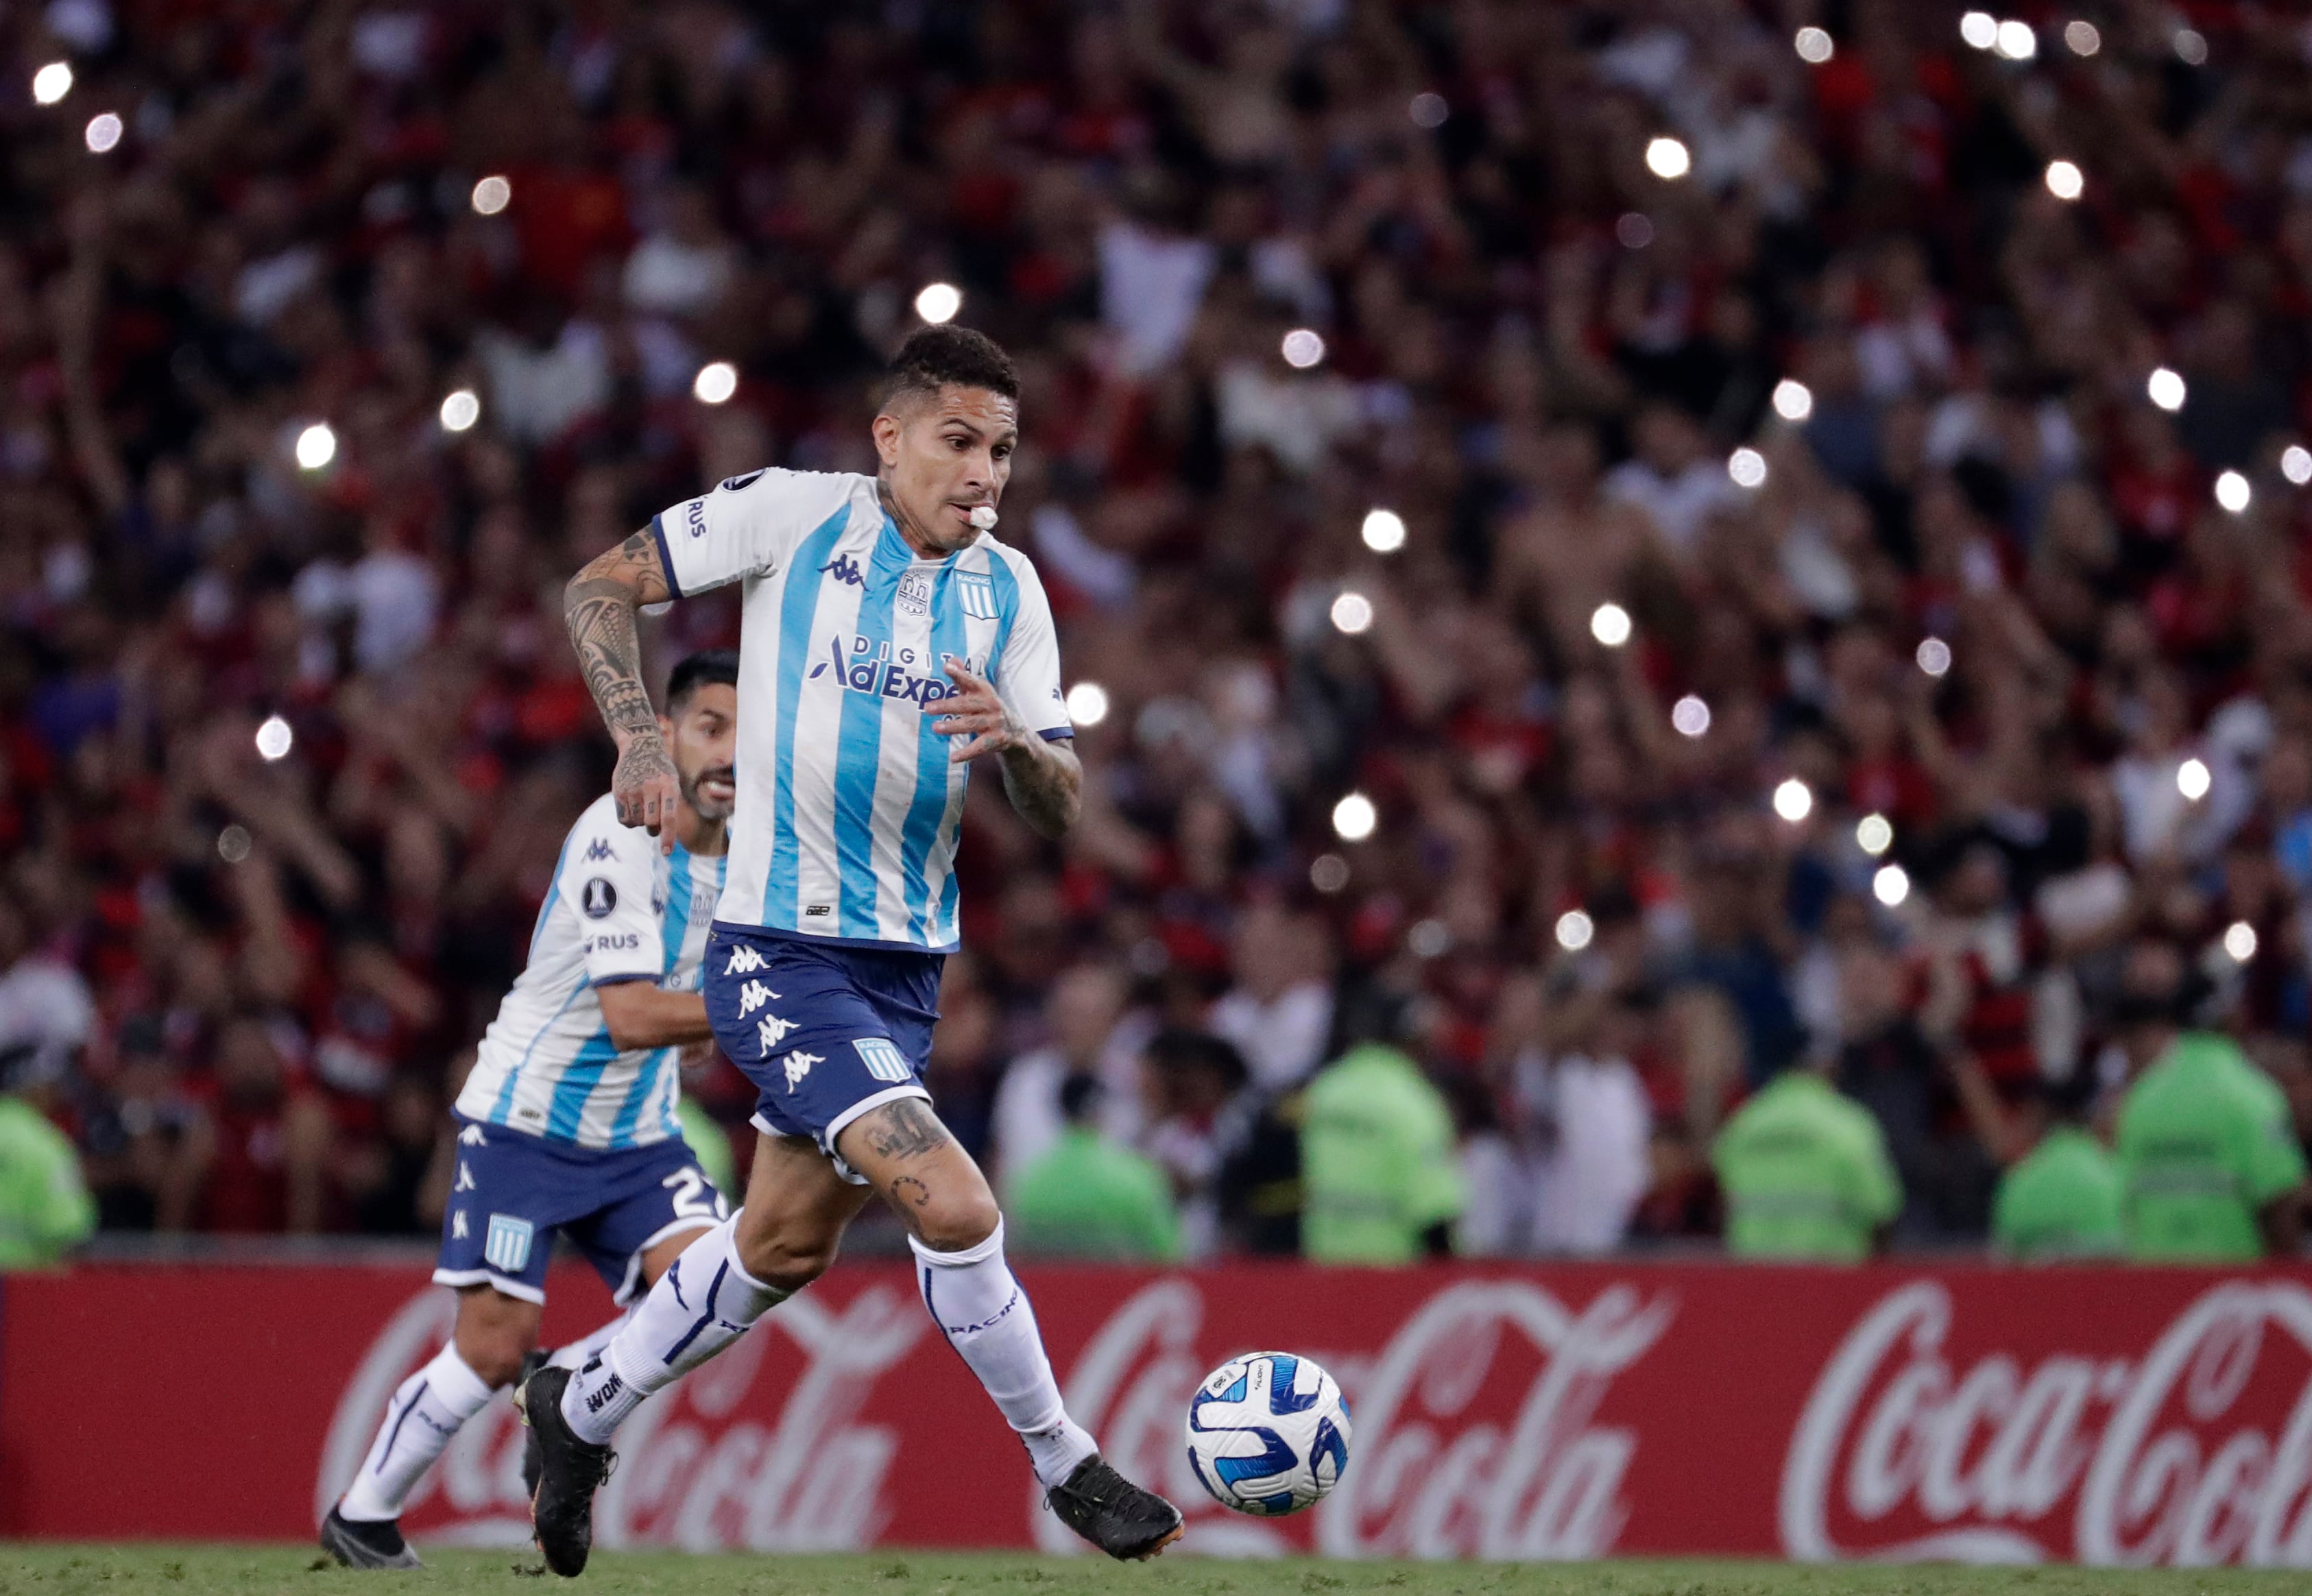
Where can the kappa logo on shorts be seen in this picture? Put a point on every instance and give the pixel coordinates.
(771, 1031)
(465, 1181)
(799, 1065)
(744, 960)
(753, 996)
(458, 1231)
(507, 1245)
(883, 1059)
(472, 1136)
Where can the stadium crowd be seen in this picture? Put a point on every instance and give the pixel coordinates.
(1957, 731)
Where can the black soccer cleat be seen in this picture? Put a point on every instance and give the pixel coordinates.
(373, 1545)
(1113, 1514)
(533, 1362)
(569, 1471)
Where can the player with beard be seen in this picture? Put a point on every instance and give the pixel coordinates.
(888, 642)
(568, 1121)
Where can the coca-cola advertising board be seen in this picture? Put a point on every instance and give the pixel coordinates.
(2106, 1414)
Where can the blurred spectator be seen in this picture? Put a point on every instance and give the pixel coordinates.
(1198, 1105)
(2209, 1155)
(1379, 1183)
(2063, 1199)
(44, 1207)
(1083, 1016)
(1805, 1174)
(1089, 1197)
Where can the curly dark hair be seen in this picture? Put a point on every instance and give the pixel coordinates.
(934, 357)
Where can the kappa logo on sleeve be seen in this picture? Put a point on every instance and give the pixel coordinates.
(600, 848)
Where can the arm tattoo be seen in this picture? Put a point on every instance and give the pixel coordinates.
(906, 1129)
(1046, 784)
(599, 606)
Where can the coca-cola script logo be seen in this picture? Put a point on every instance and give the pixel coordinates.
(693, 1473)
(2198, 1453)
(1473, 1423)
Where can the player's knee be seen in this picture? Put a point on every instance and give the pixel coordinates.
(493, 1352)
(959, 1222)
(787, 1262)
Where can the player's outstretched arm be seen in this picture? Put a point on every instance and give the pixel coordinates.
(640, 1015)
(1043, 777)
(598, 605)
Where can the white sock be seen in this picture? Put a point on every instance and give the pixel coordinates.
(703, 1303)
(423, 1413)
(981, 1310)
(575, 1355)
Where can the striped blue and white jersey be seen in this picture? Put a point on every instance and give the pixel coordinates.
(848, 807)
(619, 910)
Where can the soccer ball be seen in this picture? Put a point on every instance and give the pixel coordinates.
(1268, 1432)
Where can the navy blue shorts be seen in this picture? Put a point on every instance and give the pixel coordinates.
(513, 1190)
(825, 1032)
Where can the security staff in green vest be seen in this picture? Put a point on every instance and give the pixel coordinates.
(2214, 1172)
(45, 1206)
(1806, 1173)
(1381, 1175)
(1089, 1196)
(2063, 1199)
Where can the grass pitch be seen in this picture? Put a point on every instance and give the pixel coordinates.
(27, 1570)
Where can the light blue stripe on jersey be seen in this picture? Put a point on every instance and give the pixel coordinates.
(798, 608)
(505, 1104)
(577, 1084)
(553, 897)
(1007, 609)
(674, 928)
(928, 808)
(859, 744)
(638, 1096)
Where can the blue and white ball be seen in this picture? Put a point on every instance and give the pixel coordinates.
(1269, 1433)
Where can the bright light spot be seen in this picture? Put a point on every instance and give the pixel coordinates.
(1792, 801)
(1087, 704)
(274, 738)
(2065, 180)
(939, 301)
(1934, 656)
(1874, 834)
(1814, 46)
(2190, 46)
(461, 410)
(1574, 930)
(1354, 818)
(1329, 872)
(1690, 715)
(1633, 229)
(2239, 941)
(2164, 388)
(1979, 29)
(1666, 157)
(2082, 37)
(317, 446)
(1609, 623)
(2015, 40)
(2296, 464)
(492, 195)
(103, 133)
(2192, 779)
(1428, 939)
(1352, 612)
(1302, 349)
(1793, 400)
(1891, 885)
(716, 381)
(232, 844)
(1384, 531)
(2232, 492)
(1428, 110)
(1748, 466)
(52, 83)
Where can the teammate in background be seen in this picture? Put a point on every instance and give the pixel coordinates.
(569, 1120)
(2063, 1199)
(1806, 1173)
(887, 643)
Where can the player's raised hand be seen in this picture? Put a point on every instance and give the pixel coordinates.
(645, 788)
(975, 709)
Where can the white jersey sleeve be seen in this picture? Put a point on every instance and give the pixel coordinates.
(747, 526)
(610, 879)
(1028, 665)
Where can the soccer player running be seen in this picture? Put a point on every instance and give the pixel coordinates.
(887, 642)
(568, 1121)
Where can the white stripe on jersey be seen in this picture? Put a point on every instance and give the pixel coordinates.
(618, 910)
(848, 808)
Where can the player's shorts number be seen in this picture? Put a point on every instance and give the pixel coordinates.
(693, 1198)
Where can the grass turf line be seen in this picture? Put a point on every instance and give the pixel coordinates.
(44, 1570)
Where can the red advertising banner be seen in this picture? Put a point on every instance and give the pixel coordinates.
(2104, 1414)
